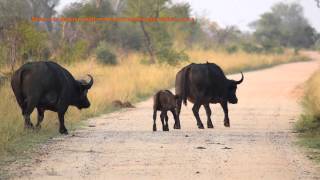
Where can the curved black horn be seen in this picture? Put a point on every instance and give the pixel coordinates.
(90, 83)
(241, 80)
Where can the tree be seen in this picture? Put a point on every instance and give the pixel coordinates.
(147, 9)
(45, 9)
(181, 32)
(318, 3)
(12, 12)
(19, 38)
(285, 26)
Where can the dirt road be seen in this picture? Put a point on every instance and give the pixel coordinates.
(259, 144)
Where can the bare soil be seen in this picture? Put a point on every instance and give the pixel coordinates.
(259, 144)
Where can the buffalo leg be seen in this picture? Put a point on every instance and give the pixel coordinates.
(62, 129)
(28, 109)
(162, 117)
(178, 110)
(40, 117)
(208, 112)
(176, 120)
(27, 122)
(226, 116)
(166, 122)
(195, 110)
(154, 120)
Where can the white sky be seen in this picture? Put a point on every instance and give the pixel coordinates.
(239, 12)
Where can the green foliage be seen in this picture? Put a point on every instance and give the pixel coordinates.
(89, 9)
(232, 49)
(284, 26)
(25, 40)
(267, 48)
(33, 41)
(3, 54)
(73, 52)
(127, 36)
(171, 57)
(309, 122)
(317, 45)
(182, 33)
(145, 8)
(251, 48)
(159, 37)
(105, 55)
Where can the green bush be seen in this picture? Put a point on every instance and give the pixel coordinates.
(2, 79)
(317, 45)
(72, 53)
(273, 49)
(265, 48)
(251, 48)
(309, 122)
(171, 57)
(105, 55)
(232, 49)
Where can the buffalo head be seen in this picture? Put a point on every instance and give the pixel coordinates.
(232, 88)
(82, 99)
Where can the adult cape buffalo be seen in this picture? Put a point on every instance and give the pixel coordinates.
(203, 84)
(46, 85)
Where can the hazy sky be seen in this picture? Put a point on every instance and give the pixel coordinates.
(239, 12)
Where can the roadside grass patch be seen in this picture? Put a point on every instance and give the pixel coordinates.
(309, 123)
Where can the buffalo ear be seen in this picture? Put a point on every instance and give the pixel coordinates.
(176, 97)
(80, 85)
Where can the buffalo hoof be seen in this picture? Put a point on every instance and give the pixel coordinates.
(200, 126)
(154, 128)
(210, 125)
(176, 126)
(226, 124)
(165, 128)
(28, 126)
(63, 131)
(38, 127)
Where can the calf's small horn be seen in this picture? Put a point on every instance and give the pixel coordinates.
(241, 80)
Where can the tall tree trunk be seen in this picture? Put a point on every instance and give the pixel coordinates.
(98, 4)
(318, 3)
(148, 43)
(63, 29)
(13, 53)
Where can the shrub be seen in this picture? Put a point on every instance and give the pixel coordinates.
(2, 79)
(105, 55)
(266, 48)
(251, 48)
(171, 57)
(72, 53)
(317, 45)
(310, 119)
(232, 49)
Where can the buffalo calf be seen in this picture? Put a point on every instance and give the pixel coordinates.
(165, 101)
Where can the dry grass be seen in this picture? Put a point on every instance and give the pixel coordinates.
(309, 123)
(243, 61)
(130, 80)
(311, 101)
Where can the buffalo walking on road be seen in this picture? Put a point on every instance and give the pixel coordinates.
(46, 85)
(203, 84)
